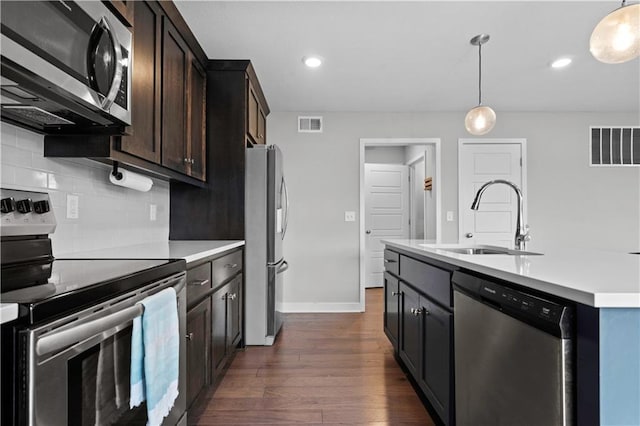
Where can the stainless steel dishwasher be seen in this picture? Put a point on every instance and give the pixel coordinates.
(513, 356)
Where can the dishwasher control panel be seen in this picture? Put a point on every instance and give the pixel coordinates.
(543, 309)
(550, 315)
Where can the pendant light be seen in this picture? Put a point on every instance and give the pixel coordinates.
(481, 119)
(616, 38)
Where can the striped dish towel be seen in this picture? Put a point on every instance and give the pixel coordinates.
(155, 352)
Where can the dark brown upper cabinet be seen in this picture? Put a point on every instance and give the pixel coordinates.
(256, 117)
(146, 99)
(235, 118)
(196, 132)
(169, 96)
(175, 65)
(123, 9)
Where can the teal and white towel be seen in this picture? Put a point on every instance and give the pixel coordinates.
(155, 353)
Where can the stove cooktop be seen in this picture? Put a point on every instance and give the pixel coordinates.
(77, 283)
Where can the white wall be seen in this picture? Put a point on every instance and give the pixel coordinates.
(570, 203)
(109, 215)
(384, 154)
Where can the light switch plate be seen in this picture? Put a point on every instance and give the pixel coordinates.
(73, 206)
(449, 216)
(153, 212)
(349, 216)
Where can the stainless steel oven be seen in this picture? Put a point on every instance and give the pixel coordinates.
(66, 358)
(65, 64)
(62, 363)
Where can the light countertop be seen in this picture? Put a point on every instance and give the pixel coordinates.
(8, 312)
(190, 251)
(601, 279)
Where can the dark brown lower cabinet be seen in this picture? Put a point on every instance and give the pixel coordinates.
(435, 370)
(391, 308)
(424, 341)
(234, 313)
(226, 322)
(410, 330)
(219, 329)
(198, 338)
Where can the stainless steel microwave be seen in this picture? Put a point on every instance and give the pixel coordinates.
(66, 66)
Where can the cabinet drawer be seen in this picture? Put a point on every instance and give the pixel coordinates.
(391, 261)
(432, 281)
(198, 282)
(226, 267)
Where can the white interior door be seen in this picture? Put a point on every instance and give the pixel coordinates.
(479, 162)
(386, 214)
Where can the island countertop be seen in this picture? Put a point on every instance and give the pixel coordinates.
(190, 251)
(601, 279)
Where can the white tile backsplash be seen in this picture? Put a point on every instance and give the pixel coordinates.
(109, 215)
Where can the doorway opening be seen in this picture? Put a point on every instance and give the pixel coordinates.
(400, 198)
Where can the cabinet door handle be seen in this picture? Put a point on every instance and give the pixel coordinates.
(231, 265)
(232, 296)
(419, 311)
(469, 235)
(189, 336)
(395, 293)
(390, 261)
(185, 160)
(199, 283)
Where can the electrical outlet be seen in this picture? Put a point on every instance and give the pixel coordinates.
(153, 212)
(349, 216)
(449, 216)
(73, 206)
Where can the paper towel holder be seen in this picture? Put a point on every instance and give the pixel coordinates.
(115, 172)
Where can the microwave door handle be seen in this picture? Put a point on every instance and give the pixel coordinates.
(103, 26)
(61, 339)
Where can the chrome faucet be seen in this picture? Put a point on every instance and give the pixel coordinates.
(522, 234)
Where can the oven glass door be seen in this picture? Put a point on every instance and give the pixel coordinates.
(64, 35)
(98, 384)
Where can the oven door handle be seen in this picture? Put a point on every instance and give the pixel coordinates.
(61, 339)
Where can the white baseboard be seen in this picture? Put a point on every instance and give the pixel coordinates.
(321, 307)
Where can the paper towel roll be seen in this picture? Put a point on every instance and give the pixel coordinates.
(131, 180)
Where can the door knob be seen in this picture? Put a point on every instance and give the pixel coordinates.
(189, 336)
(368, 231)
(469, 235)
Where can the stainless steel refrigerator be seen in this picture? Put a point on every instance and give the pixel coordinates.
(266, 218)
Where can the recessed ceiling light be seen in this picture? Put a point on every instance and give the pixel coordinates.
(312, 61)
(561, 63)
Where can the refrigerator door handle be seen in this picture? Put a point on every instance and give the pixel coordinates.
(283, 267)
(285, 191)
(275, 264)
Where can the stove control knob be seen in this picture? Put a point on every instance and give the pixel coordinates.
(25, 206)
(41, 207)
(7, 205)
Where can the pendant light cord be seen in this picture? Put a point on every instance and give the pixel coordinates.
(480, 74)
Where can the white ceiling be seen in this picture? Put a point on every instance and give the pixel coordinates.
(415, 56)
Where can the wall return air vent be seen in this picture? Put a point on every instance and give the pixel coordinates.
(614, 146)
(309, 124)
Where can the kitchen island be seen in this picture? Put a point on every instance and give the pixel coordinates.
(602, 287)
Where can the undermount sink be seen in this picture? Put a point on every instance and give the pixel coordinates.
(491, 250)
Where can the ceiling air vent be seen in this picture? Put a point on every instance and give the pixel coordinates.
(309, 124)
(615, 146)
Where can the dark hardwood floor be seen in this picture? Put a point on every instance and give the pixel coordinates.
(323, 369)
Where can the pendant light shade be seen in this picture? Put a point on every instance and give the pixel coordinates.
(616, 38)
(481, 119)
